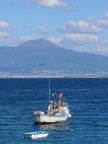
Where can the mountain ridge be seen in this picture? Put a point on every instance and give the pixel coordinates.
(42, 54)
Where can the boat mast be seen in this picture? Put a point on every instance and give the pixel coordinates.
(49, 89)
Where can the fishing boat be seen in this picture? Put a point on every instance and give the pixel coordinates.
(36, 135)
(57, 112)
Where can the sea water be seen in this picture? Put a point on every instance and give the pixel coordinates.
(88, 103)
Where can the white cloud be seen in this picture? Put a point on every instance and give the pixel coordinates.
(83, 37)
(80, 27)
(103, 23)
(106, 14)
(26, 38)
(85, 43)
(4, 25)
(3, 35)
(86, 36)
(99, 22)
(100, 47)
(4, 39)
(53, 3)
(55, 40)
(42, 30)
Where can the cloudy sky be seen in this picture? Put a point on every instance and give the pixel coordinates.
(80, 25)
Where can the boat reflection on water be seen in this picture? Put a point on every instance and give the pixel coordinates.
(59, 126)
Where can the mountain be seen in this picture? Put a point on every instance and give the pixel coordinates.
(43, 55)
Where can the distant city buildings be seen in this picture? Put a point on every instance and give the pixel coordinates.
(52, 74)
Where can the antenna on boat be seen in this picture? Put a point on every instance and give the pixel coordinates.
(49, 89)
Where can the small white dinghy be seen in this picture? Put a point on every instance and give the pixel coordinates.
(36, 135)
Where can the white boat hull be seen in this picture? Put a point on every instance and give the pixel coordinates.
(50, 119)
(39, 136)
(36, 135)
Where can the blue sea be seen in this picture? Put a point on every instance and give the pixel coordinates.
(88, 103)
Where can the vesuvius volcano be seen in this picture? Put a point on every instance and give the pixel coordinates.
(42, 54)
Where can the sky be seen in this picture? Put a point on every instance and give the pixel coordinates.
(79, 25)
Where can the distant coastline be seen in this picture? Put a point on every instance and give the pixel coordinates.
(52, 74)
